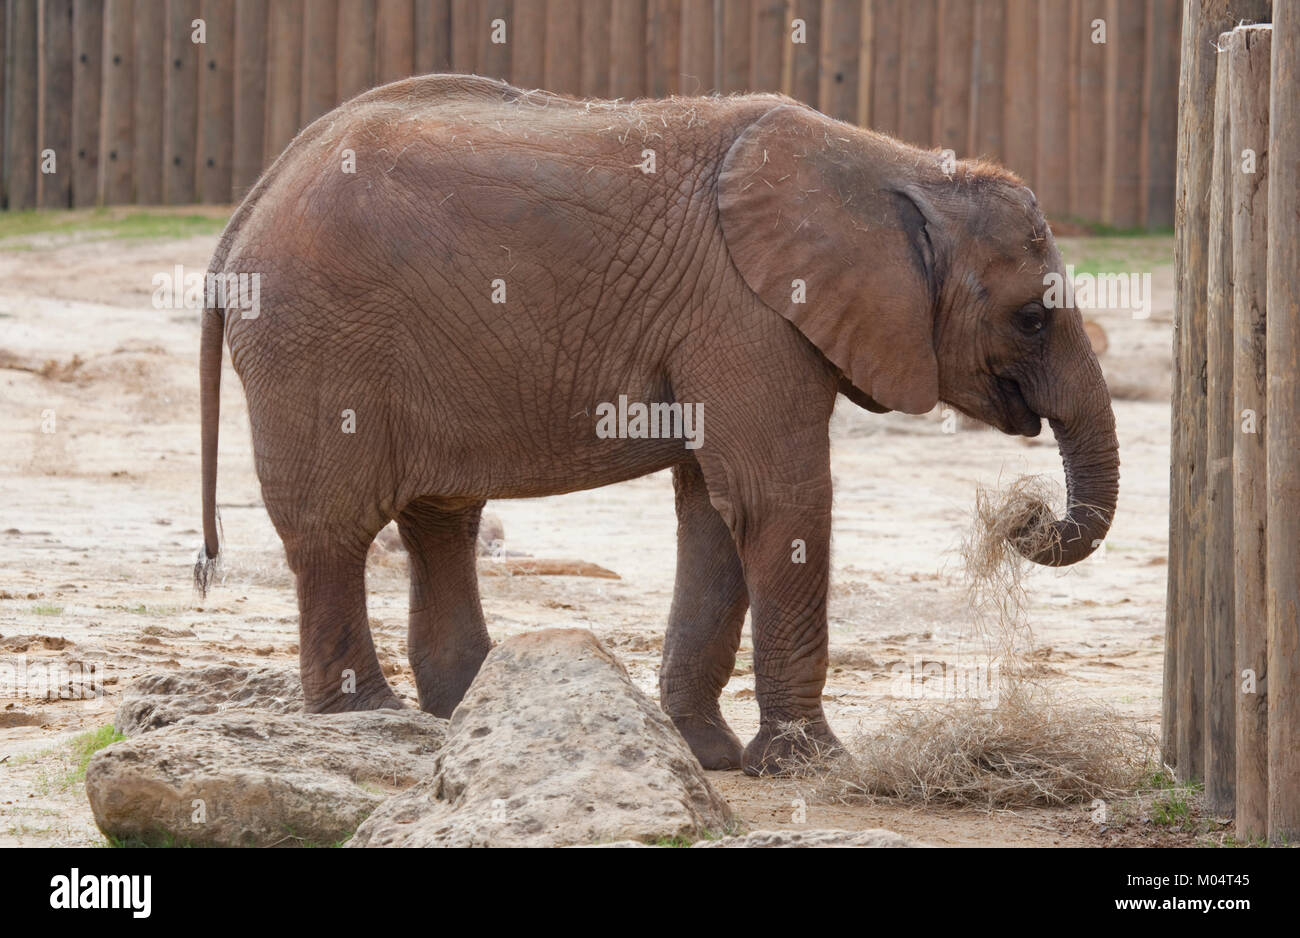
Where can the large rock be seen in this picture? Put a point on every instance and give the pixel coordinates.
(157, 700)
(553, 745)
(249, 778)
(867, 838)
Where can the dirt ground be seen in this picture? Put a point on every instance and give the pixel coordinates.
(99, 524)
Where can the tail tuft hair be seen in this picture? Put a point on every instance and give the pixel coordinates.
(206, 571)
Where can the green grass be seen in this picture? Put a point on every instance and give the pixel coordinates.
(1113, 254)
(47, 609)
(86, 745)
(104, 224)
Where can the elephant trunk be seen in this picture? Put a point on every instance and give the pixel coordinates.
(1090, 455)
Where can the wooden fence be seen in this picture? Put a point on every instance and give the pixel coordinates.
(1232, 652)
(135, 110)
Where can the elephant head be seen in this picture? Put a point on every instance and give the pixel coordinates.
(922, 282)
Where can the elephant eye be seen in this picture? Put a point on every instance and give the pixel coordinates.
(1031, 318)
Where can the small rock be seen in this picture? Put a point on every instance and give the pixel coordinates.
(553, 745)
(157, 700)
(829, 838)
(249, 778)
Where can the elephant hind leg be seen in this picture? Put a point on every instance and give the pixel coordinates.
(339, 668)
(708, 611)
(447, 638)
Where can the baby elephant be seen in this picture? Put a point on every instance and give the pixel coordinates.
(472, 292)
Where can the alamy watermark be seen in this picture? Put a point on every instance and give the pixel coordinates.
(657, 421)
(177, 289)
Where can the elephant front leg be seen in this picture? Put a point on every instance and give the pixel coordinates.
(447, 638)
(704, 624)
(784, 545)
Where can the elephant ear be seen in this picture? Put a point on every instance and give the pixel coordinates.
(822, 232)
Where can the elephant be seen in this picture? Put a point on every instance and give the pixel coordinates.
(457, 274)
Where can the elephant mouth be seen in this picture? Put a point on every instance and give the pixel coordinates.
(1016, 416)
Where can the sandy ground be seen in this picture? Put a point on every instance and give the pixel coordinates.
(99, 523)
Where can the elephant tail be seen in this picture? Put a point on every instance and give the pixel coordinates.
(214, 322)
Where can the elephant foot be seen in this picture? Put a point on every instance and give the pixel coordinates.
(442, 686)
(791, 749)
(378, 698)
(712, 741)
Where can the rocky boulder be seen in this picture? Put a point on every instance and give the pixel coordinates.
(553, 745)
(255, 778)
(157, 700)
(814, 838)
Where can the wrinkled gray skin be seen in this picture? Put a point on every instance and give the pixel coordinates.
(671, 286)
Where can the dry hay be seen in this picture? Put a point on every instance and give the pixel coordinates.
(1024, 745)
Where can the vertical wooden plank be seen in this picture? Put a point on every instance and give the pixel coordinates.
(528, 44)
(320, 54)
(115, 143)
(22, 109)
(151, 72)
(1218, 600)
(734, 43)
(494, 55)
(988, 67)
(768, 39)
(1284, 430)
(249, 95)
(54, 190)
(919, 66)
(1088, 117)
(432, 36)
(627, 56)
(1122, 169)
(564, 52)
(283, 76)
(1248, 88)
(952, 113)
(1183, 732)
(87, 50)
(466, 17)
(801, 66)
(217, 107)
(395, 41)
(840, 59)
(356, 46)
(1020, 103)
(886, 68)
(595, 48)
(1052, 161)
(664, 47)
(1160, 135)
(180, 111)
(698, 64)
(4, 101)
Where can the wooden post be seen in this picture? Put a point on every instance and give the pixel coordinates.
(1284, 429)
(699, 68)
(627, 55)
(1248, 78)
(918, 65)
(493, 57)
(216, 102)
(395, 43)
(528, 44)
(21, 149)
(54, 190)
(952, 112)
(320, 55)
(432, 36)
(249, 95)
(151, 70)
(1088, 113)
(885, 113)
(87, 49)
(664, 45)
(564, 51)
(356, 47)
(1020, 103)
(1182, 733)
(1218, 597)
(115, 154)
(840, 59)
(595, 48)
(799, 73)
(769, 37)
(733, 40)
(988, 68)
(180, 110)
(1160, 133)
(283, 76)
(1122, 169)
(1052, 119)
